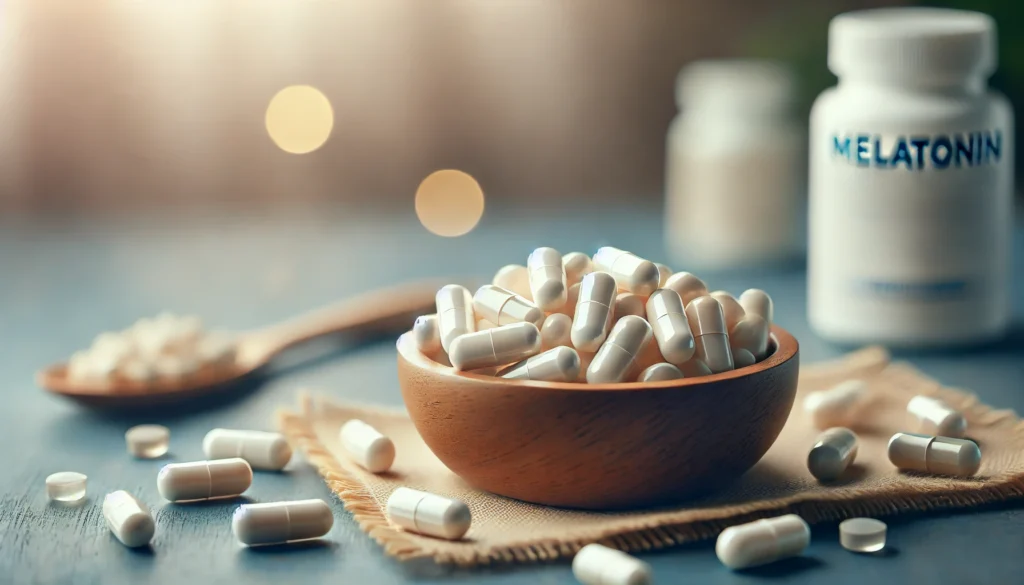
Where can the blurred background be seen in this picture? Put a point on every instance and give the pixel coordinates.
(119, 105)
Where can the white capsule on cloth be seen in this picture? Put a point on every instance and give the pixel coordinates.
(203, 480)
(454, 313)
(660, 372)
(555, 330)
(495, 347)
(751, 334)
(863, 535)
(663, 273)
(757, 302)
(280, 522)
(128, 518)
(762, 541)
(631, 273)
(428, 514)
(576, 266)
(427, 334)
(938, 455)
(835, 406)
(617, 356)
(561, 364)
(502, 307)
(367, 446)
(597, 564)
(547, 278)
(594, 310)
(935, 417)
(66, 486)
(731, 308)
(687, 286)
(515, 278)
(262, 450)
(627, 304)
(671, 328)
(707, 322)
(833, 451)
(742, 358)
(148, 441)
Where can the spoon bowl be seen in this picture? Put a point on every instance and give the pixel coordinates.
(600, 446)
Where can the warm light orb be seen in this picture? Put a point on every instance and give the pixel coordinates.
(449, 203)
(299, 119)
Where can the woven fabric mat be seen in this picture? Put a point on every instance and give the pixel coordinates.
(506, 530)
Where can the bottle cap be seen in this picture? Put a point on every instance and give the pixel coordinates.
(760, 84)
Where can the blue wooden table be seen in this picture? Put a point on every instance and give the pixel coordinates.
(61, 283)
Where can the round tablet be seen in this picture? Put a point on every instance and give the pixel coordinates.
(66, 486)
(148, 441)
(862, 534)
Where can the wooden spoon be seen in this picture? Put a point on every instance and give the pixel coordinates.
(390, 309)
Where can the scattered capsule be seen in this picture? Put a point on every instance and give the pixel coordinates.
(617, 355)
(671, 328)
(762, 541)
(148, 441)
(547, 278)
(731, 308)
(281, 522)
(832, 453)
(597, 564)
(576, 265)
(66, 486)
(428, 514)
(742, 358)
(938, 455)
(687, 286)
(660, 372)
(710, 337)
(502, 307)
(593, 316)
(555, 330)
(427, 334)
(835, 407)
(495, 347)
(663, 273)
(632, 273)
(262, 450)
(757, 302)
(935, 417)
(454, 313)
(627, 304)
(367, 446)
(128, 519)
(203, 480)
(515, 278)
(561, 364)
(751, 334)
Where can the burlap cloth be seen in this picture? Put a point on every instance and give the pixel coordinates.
(506, 530)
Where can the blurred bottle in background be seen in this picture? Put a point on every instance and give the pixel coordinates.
(735, 167)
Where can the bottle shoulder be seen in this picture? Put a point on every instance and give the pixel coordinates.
(892, 107)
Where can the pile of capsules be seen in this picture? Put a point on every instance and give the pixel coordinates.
(574, 318)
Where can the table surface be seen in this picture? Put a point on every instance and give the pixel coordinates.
(64, 282)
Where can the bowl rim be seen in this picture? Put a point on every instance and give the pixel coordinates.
(786, 348)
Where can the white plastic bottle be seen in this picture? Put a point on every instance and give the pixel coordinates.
(911, 181)
(735, 167)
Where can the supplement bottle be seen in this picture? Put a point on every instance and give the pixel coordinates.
(911, 180)
(735, 167)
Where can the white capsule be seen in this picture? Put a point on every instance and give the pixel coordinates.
(751, 334)
(687, 286)
(695, 369)
(367, 446)
(731, 308)
(555, 330)
(663, 273)
(280, 522)
(617, 356)
(742, 358)
(762, 541)
(66, 486)
(203, 480)
(660, 372)
(454, 313)
(428, 514)
(547, 278)
(502, 307)
(757, 302)
(515, 278)
(709, 335)
(576, 266)
(835, 407)
(938, 455)
(833, 451)
(128, 518)
(935, 417)
(561, 364)
(627, 304)
(594, 310)
(597, 564)
(262, 450)
(427, 334)
(495, 347)
(632, 273)
(671, 328)
(148, 441)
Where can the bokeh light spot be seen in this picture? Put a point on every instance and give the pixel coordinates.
(299, 119)
(449, 203)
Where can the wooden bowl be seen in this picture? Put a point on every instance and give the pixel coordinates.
(607, 446)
